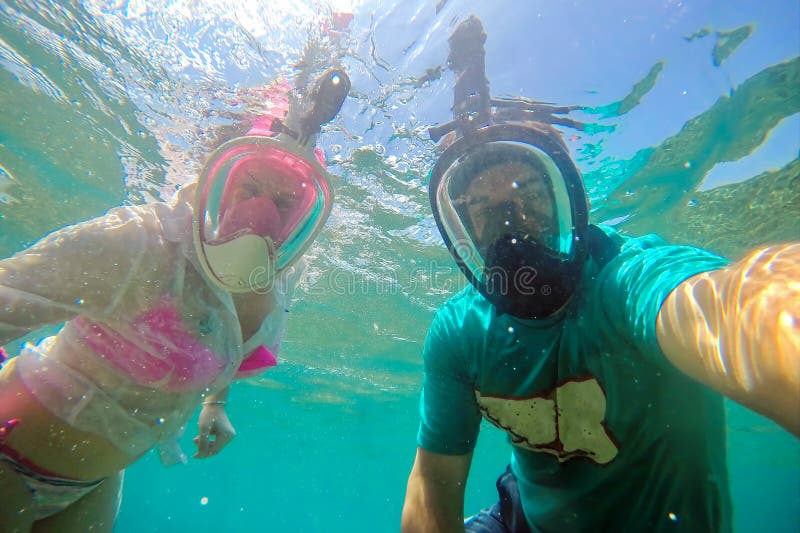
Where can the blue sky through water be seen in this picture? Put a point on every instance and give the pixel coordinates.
(591, 53)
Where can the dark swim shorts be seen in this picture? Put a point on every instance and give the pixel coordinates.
(506, 516)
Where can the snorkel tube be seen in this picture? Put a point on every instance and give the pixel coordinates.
(535, 280)
(326, 96)
(473, 106)
(471, 101)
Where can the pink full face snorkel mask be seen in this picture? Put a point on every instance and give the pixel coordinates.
(261, 202)
(262, 198)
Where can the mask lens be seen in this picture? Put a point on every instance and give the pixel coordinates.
(263, 201)
(266, 194)
(504, 191)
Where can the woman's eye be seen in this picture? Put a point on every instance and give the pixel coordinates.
(250, 190)
(285, 200)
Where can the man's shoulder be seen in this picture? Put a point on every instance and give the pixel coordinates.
(465, 312)
(466, 302)
(628, 292)
(628, 243)
(656, 248)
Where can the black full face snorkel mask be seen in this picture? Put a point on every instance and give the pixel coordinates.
(507, 198)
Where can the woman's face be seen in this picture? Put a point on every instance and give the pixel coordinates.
(257, 179)
(261, 198)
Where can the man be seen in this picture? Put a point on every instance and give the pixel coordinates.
(605, 358)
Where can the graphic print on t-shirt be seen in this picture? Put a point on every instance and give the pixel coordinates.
(567, 422)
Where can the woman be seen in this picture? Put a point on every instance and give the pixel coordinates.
(164, 305)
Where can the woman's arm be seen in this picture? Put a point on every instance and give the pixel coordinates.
(215, 429)
(78, 270)
(435, 494)
(738, 331)
(23, 305)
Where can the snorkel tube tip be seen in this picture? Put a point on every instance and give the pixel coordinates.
(327, 96)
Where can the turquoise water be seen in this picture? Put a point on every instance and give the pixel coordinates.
(692, 130)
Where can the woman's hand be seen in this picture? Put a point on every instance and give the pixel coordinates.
(216, 431)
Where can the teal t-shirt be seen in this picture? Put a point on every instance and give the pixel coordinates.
(606, 434)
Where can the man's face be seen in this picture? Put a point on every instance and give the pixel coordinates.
(505, 198)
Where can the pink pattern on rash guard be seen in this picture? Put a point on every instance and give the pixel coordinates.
(166, 355)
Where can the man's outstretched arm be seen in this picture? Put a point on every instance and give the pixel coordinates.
(435, 493)
(738, 331)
